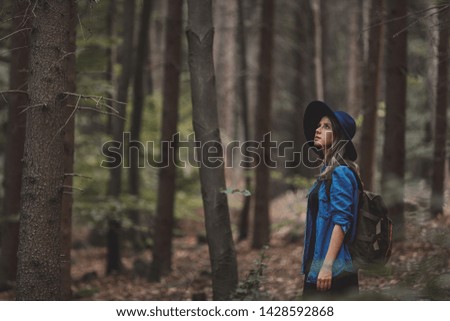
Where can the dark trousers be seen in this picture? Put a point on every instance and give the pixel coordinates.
(343, 287)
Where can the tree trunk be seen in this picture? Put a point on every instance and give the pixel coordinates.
(425, 170)
(261, 226)
(114, 263)
(440, 128)
(393, 164)
(162, 249)
(155, 58)
(39, 271)
(200, 34)
(224, 62)
(324, 38)
(69, 143)
(318, 62)
(244, 216)
(301, 88)
(355, 58)
(111, 56)
(14, 144)
(371, 94)
(134, 149)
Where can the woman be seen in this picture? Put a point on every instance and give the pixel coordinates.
(332, 206)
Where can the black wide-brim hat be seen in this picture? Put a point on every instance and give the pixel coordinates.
(314, 113)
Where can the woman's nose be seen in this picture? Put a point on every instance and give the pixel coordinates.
(317, 130)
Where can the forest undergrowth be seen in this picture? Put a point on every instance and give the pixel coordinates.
(418, 270)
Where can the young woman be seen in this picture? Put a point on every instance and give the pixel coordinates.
(332, 206)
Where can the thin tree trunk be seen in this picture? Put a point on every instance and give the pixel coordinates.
(19, 70)
(39, 271)
(138, 94)
(371, 94)
(69, 144)
(244, 216)
(393, 164)
(224, 62)
(155, 58)
(318, 62)
(324, 39)
(301, 84)
(440, 129)
(425, 170)
(114, 262)
(261, 226)
(136, 120)
(162, 249)
(354, 82)
(200, 34)
(111, 55)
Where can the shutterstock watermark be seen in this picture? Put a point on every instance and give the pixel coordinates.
(189, 152)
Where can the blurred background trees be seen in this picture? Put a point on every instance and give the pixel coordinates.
(385, 62)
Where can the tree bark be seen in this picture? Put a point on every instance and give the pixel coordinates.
(162, 249)
(355, 58)
(138, 94)
(114, 262)
(155, 58)
(111, 56)
(424, 170)
(39, 270)
(134, 149)
(244, 216)
(19, 70)
(318, 62)
(69, 144)
(225, 13)
(200, 34)
(303, 82)
(261, 226)
(440, 128)
(371, 94)
(393, 164)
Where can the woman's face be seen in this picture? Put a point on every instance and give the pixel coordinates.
(324, 134)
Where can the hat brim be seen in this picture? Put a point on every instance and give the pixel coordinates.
(313, 114)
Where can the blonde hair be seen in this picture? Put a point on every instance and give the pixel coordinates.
(335, 154)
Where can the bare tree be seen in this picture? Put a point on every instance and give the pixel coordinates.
(355, 57)
(39, 274)
(244, 216)
(261, 227)
(302, 84)
(393, 164)
(440, 128)
(69, 146)
(225, 23)
(371, 94)
(318, 55)
(19, 69)
(162, 249)
(200, 34)
(111, 54)
(134, 149)
(114, 262)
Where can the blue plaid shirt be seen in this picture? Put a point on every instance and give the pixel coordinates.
(339, 209)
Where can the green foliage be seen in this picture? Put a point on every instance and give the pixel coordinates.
(250, 288)
(438, 288)
(300, 181)
(92, 207)
(85, 293)
(230, 191)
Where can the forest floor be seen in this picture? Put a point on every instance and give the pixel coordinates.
(418, 270)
